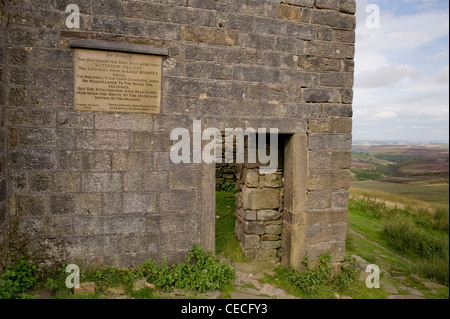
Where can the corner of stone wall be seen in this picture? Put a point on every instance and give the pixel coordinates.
(3, 188)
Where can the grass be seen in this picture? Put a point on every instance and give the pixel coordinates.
(407, 233)
(436, 195)
(226, 242)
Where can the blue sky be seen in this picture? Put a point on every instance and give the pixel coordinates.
(402, 71)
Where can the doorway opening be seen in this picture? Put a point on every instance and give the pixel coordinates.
(250, 207)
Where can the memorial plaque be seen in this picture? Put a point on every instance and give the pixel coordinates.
(117, 82)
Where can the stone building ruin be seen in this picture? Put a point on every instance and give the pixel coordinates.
(99, 187)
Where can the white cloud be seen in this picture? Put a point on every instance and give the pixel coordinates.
(401, 72)
(442, 77)
(386, 75)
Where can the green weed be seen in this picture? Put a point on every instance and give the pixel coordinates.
(17, 279)
(201, 271)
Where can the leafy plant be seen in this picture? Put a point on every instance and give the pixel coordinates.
(229, 187)
(313, 279)
(200, 271)
(17, 279)
(349, 274)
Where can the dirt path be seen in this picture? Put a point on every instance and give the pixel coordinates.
(247, 285)
(380, 246)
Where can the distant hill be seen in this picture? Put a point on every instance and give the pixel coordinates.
(400, 163)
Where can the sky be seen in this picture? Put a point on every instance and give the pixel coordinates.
(402, 71)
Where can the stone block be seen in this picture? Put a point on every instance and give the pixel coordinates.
(273, 229)
(210, 36)
(32, 205)
(327, 4)
(59, 226)
(102, 182)
(147, 11)
(138, 243)
(327, 180)
(326, 233)
(23, 117)
(32, 37)
(185, 180)
(42, 160)
(75, 120)
(76, 204)
(326, 217)
(145, 181)
(129, 122)
(250, 241)
(86, 288)
(175, 222)
(154, 141)
(288, 12)
(132, 161)
(260, 199)
(253, 228)
(318, 200)
(57, 98)
(178, 201)
(36, 138)
(347, 96)
(330, 142)
(265, 254)
(208, 70)
(333, 18)
(268, 215)
(112, 203)
(324, 33)
(335, 79)
(344, 36)
(139, 202)
(256, 74)
(55, 182)
(336, 249)
(322, 95)
(194, 16)
(18, 97)
(271, 244)
(318, 64)
(273, 181)
(18, 183)
(109, 225)
(340, 199)
(84, 160)
(108, 8)
(182, 241)
(248, 215)
(258, 41)
(341, 159)
(250, 178)
(347, 6)
(102, 140)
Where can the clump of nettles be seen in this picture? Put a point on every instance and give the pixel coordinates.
(17, 279)
(312, 280)
(201, 271)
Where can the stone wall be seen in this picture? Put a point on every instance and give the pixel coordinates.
(3, 192)
(259, 214)
(100, 187)
(226, 173)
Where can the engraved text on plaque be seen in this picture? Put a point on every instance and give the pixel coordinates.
(117, 82)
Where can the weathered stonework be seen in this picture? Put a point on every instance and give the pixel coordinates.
(94, 187)
(259, 213)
